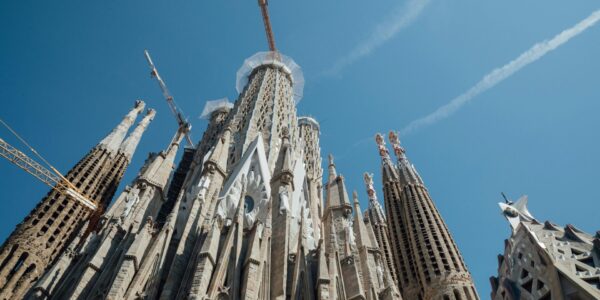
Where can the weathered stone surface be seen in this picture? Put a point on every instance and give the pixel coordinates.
(53, 224)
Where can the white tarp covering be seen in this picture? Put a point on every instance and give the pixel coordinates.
(271, 58)
(214, 105)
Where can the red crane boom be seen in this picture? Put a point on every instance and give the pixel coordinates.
(265, 14)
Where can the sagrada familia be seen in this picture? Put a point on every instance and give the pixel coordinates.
(249, 213)
(246, 214)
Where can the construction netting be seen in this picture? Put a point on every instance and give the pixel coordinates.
(271, 58)
(214, 105)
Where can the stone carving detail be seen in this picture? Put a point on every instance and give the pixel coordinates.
(284, 199)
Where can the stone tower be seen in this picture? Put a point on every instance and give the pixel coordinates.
(114, 254)
(41, 237)
(357, 269)
(427, 259)
(544, 261)
(376, 218)
(246, 222)
(309, 135)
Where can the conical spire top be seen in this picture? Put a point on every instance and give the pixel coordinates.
(407, 172)
(130, 144)
(332, 171)
(159, 167)
(360, 229)
(113, 140)
(218, 157)
(389, 170)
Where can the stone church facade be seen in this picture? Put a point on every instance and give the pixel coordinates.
(249, 213)
(252, 217)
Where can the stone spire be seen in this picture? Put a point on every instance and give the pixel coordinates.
(45, 234)
(323, 280)
(408, 172)
(125, 235)
(113, 140)
(340, 237)
(375, 211)
(389, 171)
(376, 217)
(309, 134)
(159, 169)
(337, 196)
(129, 145)
(331, 167)
(427, 259)
(218, 157)
(375, 274)
(362, 236)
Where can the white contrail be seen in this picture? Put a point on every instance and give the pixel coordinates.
(401, 17)
(498, 75)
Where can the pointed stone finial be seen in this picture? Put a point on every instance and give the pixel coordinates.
(383, 151)
(368, 178)
(395, 141)
(355, 197)
(375, 209)
(332, 171)
(217, 160)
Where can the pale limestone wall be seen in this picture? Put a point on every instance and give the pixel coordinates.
(546, 261)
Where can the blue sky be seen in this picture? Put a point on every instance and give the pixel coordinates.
(70, 70)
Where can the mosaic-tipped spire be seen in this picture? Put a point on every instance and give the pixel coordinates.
(389, 171)
(113, 140)
(129, 145)
(398, 149)
(423, 249)
(408, 173)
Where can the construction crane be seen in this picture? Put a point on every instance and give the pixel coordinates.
(183, 123)
(267, 21)
(51, 178)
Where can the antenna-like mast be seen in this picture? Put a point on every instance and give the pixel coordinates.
(183, 123)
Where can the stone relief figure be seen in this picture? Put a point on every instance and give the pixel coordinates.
(380, 275)
(198, 192)
(284, 200)
(131, 199)
(350, 235)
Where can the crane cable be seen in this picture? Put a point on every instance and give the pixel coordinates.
(32, 150)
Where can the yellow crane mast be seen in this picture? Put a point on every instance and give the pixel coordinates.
(52, 177)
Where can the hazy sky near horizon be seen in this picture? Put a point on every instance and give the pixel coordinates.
(70, 70)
